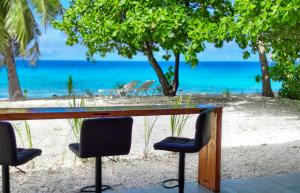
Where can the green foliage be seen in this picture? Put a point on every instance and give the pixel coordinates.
(89, 93)
(178, 122)
(289, 75)
(246, 55)
(227, 92)
(148, 128)
(257, 78)
(126, 25)
(170, 74)
(20, 132)
(70, 86)
(76, 123)
(25, 92)
(267, 22)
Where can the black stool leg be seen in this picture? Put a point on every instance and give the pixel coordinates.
(181, 172)
(98, 175)
(5, 179)
(98, 187)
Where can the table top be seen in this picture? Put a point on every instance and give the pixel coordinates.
(103, 111)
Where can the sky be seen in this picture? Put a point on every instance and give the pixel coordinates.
(53, 47)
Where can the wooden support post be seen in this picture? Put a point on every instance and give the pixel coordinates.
(209, 168)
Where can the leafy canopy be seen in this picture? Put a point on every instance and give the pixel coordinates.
(274, 24)
(124, 26)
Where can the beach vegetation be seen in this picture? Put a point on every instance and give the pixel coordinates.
(226, 92)
(25, 93)
(89, 93)
(76, 123)
(19, 32)
(176, 28)
(269, 27)
(24, 136)
(289, 75)
(70, 86)
(178, 122)
(149, 123)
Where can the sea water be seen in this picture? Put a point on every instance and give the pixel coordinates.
(48, 78)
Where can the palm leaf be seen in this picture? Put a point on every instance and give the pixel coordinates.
(3, 36)
(4, 4)
(48, 9)
(20, 24)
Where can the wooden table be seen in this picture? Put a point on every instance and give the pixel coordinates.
(209, 156)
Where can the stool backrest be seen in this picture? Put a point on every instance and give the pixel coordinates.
(8, 146)
(106, 136)
(202, 135)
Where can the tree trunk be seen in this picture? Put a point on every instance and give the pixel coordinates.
(176, 73)
(14, 89)
(265, 76)
(168, 90)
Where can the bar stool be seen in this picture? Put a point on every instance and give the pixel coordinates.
(186, 145)
(103, 137)
(10, 155)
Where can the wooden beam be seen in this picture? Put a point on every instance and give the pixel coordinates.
(209, 168)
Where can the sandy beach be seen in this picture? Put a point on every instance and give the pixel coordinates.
(261, 136)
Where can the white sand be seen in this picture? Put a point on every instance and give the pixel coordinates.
(260, 137)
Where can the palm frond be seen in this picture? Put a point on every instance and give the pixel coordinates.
(33, 52)
(3, 36)
(47, 9)
(4, 4)
(20, 24)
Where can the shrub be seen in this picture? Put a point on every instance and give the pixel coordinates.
(289, 75)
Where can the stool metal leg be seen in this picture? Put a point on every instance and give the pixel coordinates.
(5, 179)
(181, 172)
(98, 175)
(98, 187)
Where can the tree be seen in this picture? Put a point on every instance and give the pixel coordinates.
(19, 33)
(268, 27)
(131, 26)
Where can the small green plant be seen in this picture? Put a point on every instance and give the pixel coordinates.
(20, 132)
(70, 86)
(226, 92)
(89, 93)
(178, 122)
(25, 93)
(76, 123)
(148, 128)
(24, 136)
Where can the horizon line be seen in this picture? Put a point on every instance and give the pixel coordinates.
(126, 60)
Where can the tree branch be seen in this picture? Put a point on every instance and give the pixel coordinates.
(162, 79)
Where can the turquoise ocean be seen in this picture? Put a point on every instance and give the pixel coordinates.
(48, 78)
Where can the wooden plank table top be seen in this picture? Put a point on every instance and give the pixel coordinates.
(104, 111)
